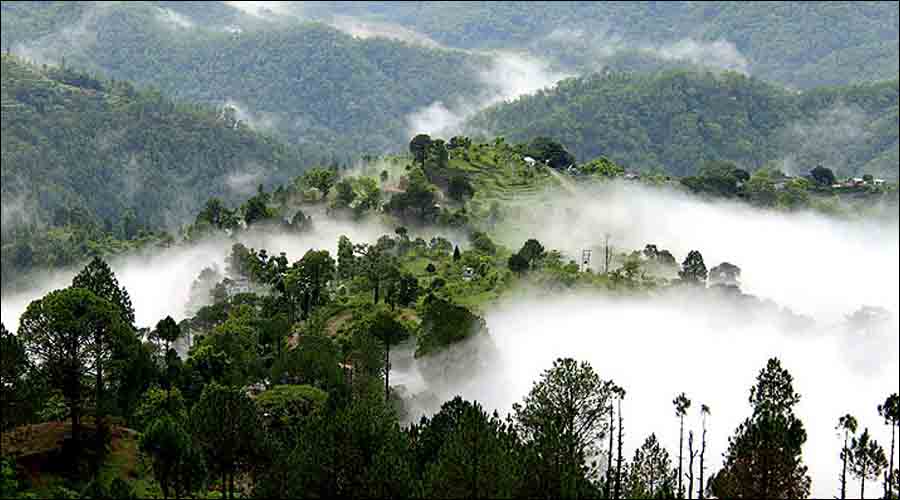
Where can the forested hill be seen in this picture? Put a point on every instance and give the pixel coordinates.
(801, 44)
(676, 120)
(80, 150)
(306, 82)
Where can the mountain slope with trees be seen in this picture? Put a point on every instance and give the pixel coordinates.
(676, 120)
(801, 44)
(305, 82)
(83, 152)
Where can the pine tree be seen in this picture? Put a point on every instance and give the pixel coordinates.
(682, 404)
(890, 412)
(764, 458)
(847, 424)
(867, 460)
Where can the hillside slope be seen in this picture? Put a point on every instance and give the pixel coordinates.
(801, 44)
(676, 120)
(307, 82)
(75, 147)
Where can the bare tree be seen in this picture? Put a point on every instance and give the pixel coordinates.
(701, 492)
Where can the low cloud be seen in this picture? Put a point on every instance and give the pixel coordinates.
(256, 120)
(829, 139)
(719, 54)
(269, 10)
(508, 76)
(170, 18)
(598, 47)
(50, 49)
(659, 347)
(245, 182)
(360, 28)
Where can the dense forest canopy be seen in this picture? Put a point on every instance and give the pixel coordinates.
(307, 83)
(676, 120)
(449, 250)
(75, 141)
(798, 44)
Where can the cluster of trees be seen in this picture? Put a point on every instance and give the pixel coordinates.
(99, 167)
(354, 93)
(770, 188)
(793, 44)
(677, 120)
(328, 430)
(864, 457)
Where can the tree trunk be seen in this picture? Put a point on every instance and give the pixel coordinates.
(681, 460)
(76, 425)
(890, 476)
(862, 483)
(99, 423)
(691, 455)
(609, 460)
(700, 492)
(844, 471)
(387, 371)
(619, 457)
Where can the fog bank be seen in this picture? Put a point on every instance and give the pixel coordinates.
(159, 282)
(510, 75)
(658, 348)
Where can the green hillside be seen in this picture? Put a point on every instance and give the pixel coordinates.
(676, 120)
(801, 44)
(305, 82)
(81, 151)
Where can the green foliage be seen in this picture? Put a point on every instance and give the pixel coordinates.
(466, 453)
(719, 178)
(823, 176)
(313, 361)
(166, 443)
(444, 324)
(602, 167)
(417, 202)
(418, 148)
(225, 426)
(867, 460)
(295, 79)
(678, 120)
(159, 403)
(320, 178)
(99, 279)
(85, 158)
(13, 365)
(800, 45)
(764, 457)
(286, 405)
(9, 487)
(460, 188)
(482, 243)
(229, 355)
(70, 333)
(693, 270)
(517, 263)
(550, 152)
(564, 419)
(651, 474)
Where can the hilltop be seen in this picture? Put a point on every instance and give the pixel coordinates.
(676, 120)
